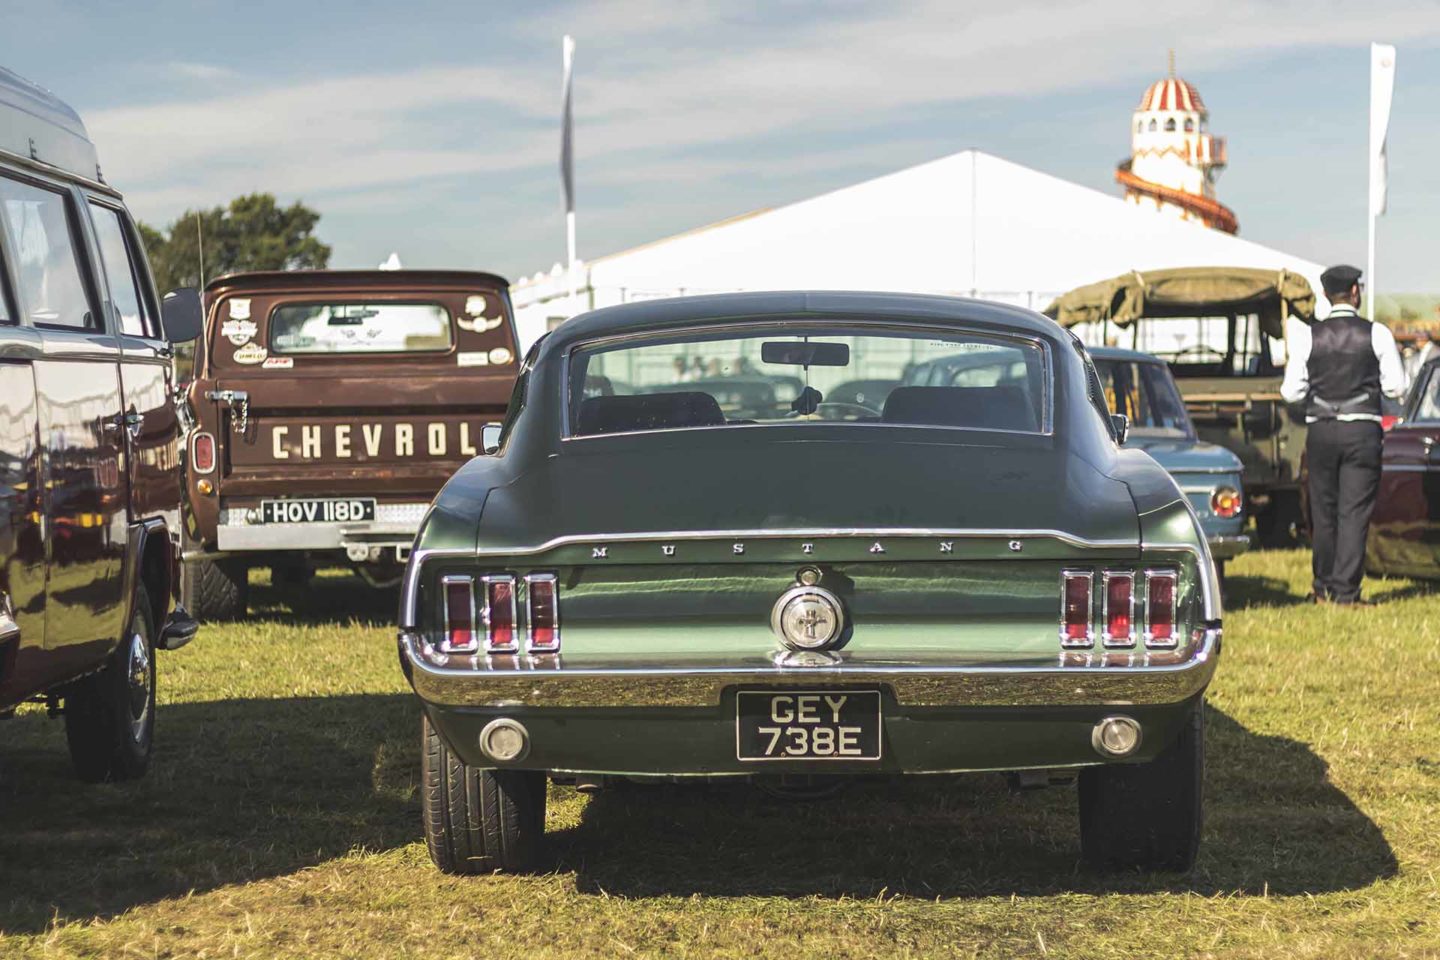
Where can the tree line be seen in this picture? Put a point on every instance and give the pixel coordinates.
(252, 233)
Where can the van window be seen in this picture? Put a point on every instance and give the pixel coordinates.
(127, 305)
(46, 262)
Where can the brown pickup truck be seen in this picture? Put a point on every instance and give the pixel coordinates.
(329, 408)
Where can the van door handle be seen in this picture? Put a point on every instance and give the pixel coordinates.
(131, 421)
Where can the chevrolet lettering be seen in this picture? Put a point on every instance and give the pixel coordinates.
(329, 409)
(767, 573)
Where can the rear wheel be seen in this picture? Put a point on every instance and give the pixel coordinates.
(215, 589)
(110, 715)
(479, 821)
(1147, 816)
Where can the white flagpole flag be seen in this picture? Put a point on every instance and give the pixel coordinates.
(1382, 90)
(567, 159)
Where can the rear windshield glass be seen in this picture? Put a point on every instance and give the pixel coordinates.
(823, 375)
(1145, 393)
(359, 328)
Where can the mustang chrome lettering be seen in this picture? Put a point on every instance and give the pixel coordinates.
(599, 553)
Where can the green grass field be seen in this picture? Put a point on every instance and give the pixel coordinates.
(281, 818)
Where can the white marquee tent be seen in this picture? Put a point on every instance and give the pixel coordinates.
(968, 224)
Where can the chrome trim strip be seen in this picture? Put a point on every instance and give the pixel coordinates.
(1410, 468)
(530, 580)
(1106, 639)
(1089, 577)
(520, 682)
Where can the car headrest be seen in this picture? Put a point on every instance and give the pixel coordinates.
(648, 411)
(992, 408)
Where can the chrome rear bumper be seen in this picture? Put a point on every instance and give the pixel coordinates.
(1226, 547)
(546, 681)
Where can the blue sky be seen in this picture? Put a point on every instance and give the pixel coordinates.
(430, 128)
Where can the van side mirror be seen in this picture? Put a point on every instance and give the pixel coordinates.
(181, 315)
(490, 438)
(1121, 425)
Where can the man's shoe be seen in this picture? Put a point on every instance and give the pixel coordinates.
(1319, 598)
(1357, 602)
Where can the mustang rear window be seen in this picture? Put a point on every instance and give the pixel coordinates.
(359, 328)
(823, 375)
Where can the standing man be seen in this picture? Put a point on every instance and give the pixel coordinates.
(1340, 368)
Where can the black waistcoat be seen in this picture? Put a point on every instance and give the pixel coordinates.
(1344, 371)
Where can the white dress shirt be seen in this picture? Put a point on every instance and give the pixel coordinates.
(1296, 385)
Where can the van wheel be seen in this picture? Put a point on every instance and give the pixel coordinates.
(1147, 816)
(479, 821)
(215, 589)
(110, 715)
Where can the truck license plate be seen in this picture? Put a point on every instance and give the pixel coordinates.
(807, 725)
(329, 510)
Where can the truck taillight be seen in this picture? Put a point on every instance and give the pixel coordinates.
(1075, 606)
(1119, 609)
(542, 622)
(1160, 608)
(500, 615)
(202, 453)
(459, 598)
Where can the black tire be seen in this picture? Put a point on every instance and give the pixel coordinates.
(110, 715)
(1147, 816)
(215, 589)
(479, 821)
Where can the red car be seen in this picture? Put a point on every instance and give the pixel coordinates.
(1405, 529)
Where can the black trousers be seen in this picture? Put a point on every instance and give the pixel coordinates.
(1343, 458)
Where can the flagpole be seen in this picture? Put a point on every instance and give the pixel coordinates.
(567, 166)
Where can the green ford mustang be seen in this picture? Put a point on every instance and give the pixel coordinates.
(680, 559)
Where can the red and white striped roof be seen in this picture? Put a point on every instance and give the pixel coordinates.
(1172, 93)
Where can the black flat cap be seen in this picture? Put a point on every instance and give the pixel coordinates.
(1340, 279)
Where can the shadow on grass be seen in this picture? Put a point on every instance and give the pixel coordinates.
(329, 596)
(238, 790)
(1242, 592)
(1273, 822)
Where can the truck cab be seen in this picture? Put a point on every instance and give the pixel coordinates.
(330, 407)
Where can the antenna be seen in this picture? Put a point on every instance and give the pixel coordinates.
(1170, 59)
(200, 242)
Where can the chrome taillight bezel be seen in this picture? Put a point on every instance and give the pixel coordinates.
(1106, 637)
(488, 616)
(195, 439)
(531, 579)
(445, 645)
(1173, 576)
(1066, 641)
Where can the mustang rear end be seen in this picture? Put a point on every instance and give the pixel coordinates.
(956, 570)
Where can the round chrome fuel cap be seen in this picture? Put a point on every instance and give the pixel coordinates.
(808, 617)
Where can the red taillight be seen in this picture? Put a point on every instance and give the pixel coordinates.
(202, 453)
(500, 615)
(1226, 502)
(1119, 609)
(459, 594)
(543, 616)
(1160, 609)
(1075, 609)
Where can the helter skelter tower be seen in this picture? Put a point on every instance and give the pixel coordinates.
(1174, 160)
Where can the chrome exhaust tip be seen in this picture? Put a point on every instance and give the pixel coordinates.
(1116, 737)
(504, 740)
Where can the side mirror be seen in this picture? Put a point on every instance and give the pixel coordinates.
(182, 315)
(490, 438)
(1121, 425)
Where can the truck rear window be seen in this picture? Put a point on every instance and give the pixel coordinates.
(297, 328)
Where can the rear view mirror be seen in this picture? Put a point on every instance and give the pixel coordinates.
(801, 354)
(1121, 425)
(181, 315)
(490, 438)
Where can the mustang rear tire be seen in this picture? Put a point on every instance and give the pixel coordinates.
(110, 715)
(214, 589)
(479, 821)
(1147, 816)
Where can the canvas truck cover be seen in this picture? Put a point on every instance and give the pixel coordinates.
(1188, 292)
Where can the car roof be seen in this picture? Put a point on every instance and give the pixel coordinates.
(38, 127)
(350, 279)
(1120, 353)
(678, 313)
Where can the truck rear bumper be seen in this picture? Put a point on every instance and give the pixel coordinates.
(395, 525)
